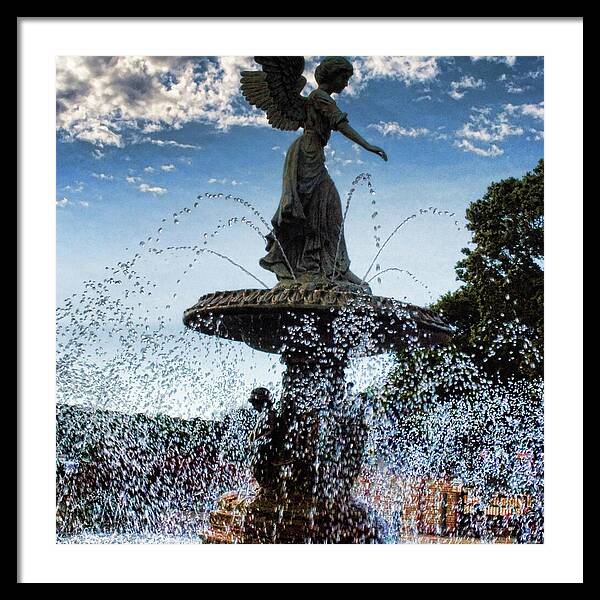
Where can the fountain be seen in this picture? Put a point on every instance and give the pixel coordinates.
(318, 317)
(380, 431)
(313, 458)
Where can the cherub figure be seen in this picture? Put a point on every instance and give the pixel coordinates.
(307, 244)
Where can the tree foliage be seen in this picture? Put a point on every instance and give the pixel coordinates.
(498, 312)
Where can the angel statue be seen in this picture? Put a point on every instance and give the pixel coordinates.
(306, 245)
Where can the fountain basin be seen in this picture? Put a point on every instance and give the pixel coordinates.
(362, 324)
(312, 454)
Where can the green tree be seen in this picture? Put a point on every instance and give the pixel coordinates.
(470, 409)
(498, 312)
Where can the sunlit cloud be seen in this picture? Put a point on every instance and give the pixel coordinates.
(511, 61)
(395, 129)
(467, 146)
(149, 189)
(110, 101)
(535, 111)
(458, 88)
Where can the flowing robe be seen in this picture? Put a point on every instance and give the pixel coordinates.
(308, 234)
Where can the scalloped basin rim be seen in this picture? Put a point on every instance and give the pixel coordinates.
(260, 317)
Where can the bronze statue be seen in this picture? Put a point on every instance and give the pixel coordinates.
(307, 243)
(261, 439)
(307, 450)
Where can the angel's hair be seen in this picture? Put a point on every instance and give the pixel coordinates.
(330, 67)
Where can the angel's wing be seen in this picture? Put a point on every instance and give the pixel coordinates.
(276, 90)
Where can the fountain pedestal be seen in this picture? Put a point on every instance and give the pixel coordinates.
(307, 471)
(308, 463)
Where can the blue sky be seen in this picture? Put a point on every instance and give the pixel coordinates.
(138, 139)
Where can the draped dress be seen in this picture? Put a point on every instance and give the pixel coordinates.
(308, 238)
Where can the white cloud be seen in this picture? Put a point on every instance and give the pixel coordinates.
(395, 129)
(467, 146)
(100, 99)
(482, 110)
(62, 202)
(482, 128)
(167, 168)
(534, 74)
(103, 176)
(507, 60)
(168, 143)
(536, 134)
(109, 101)
(340, 160)
(149, 169)
(467, 82)
(148, 189)
(512, 88)
(485, 128)
(76, 187)
(132, 179)
(225, 181)
(456, 95)
(151, 127)
(535, 111)
(527, 112)
(409, 69)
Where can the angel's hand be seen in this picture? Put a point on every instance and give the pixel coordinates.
(379, 152)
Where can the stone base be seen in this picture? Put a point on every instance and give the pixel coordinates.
(261, 521)
(226, 522)
(302, 523)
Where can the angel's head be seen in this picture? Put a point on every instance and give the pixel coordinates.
(333, 73)
(260, 398)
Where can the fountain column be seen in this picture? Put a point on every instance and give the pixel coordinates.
(308, 471)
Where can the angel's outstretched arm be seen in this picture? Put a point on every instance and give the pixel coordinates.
(353, 135)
